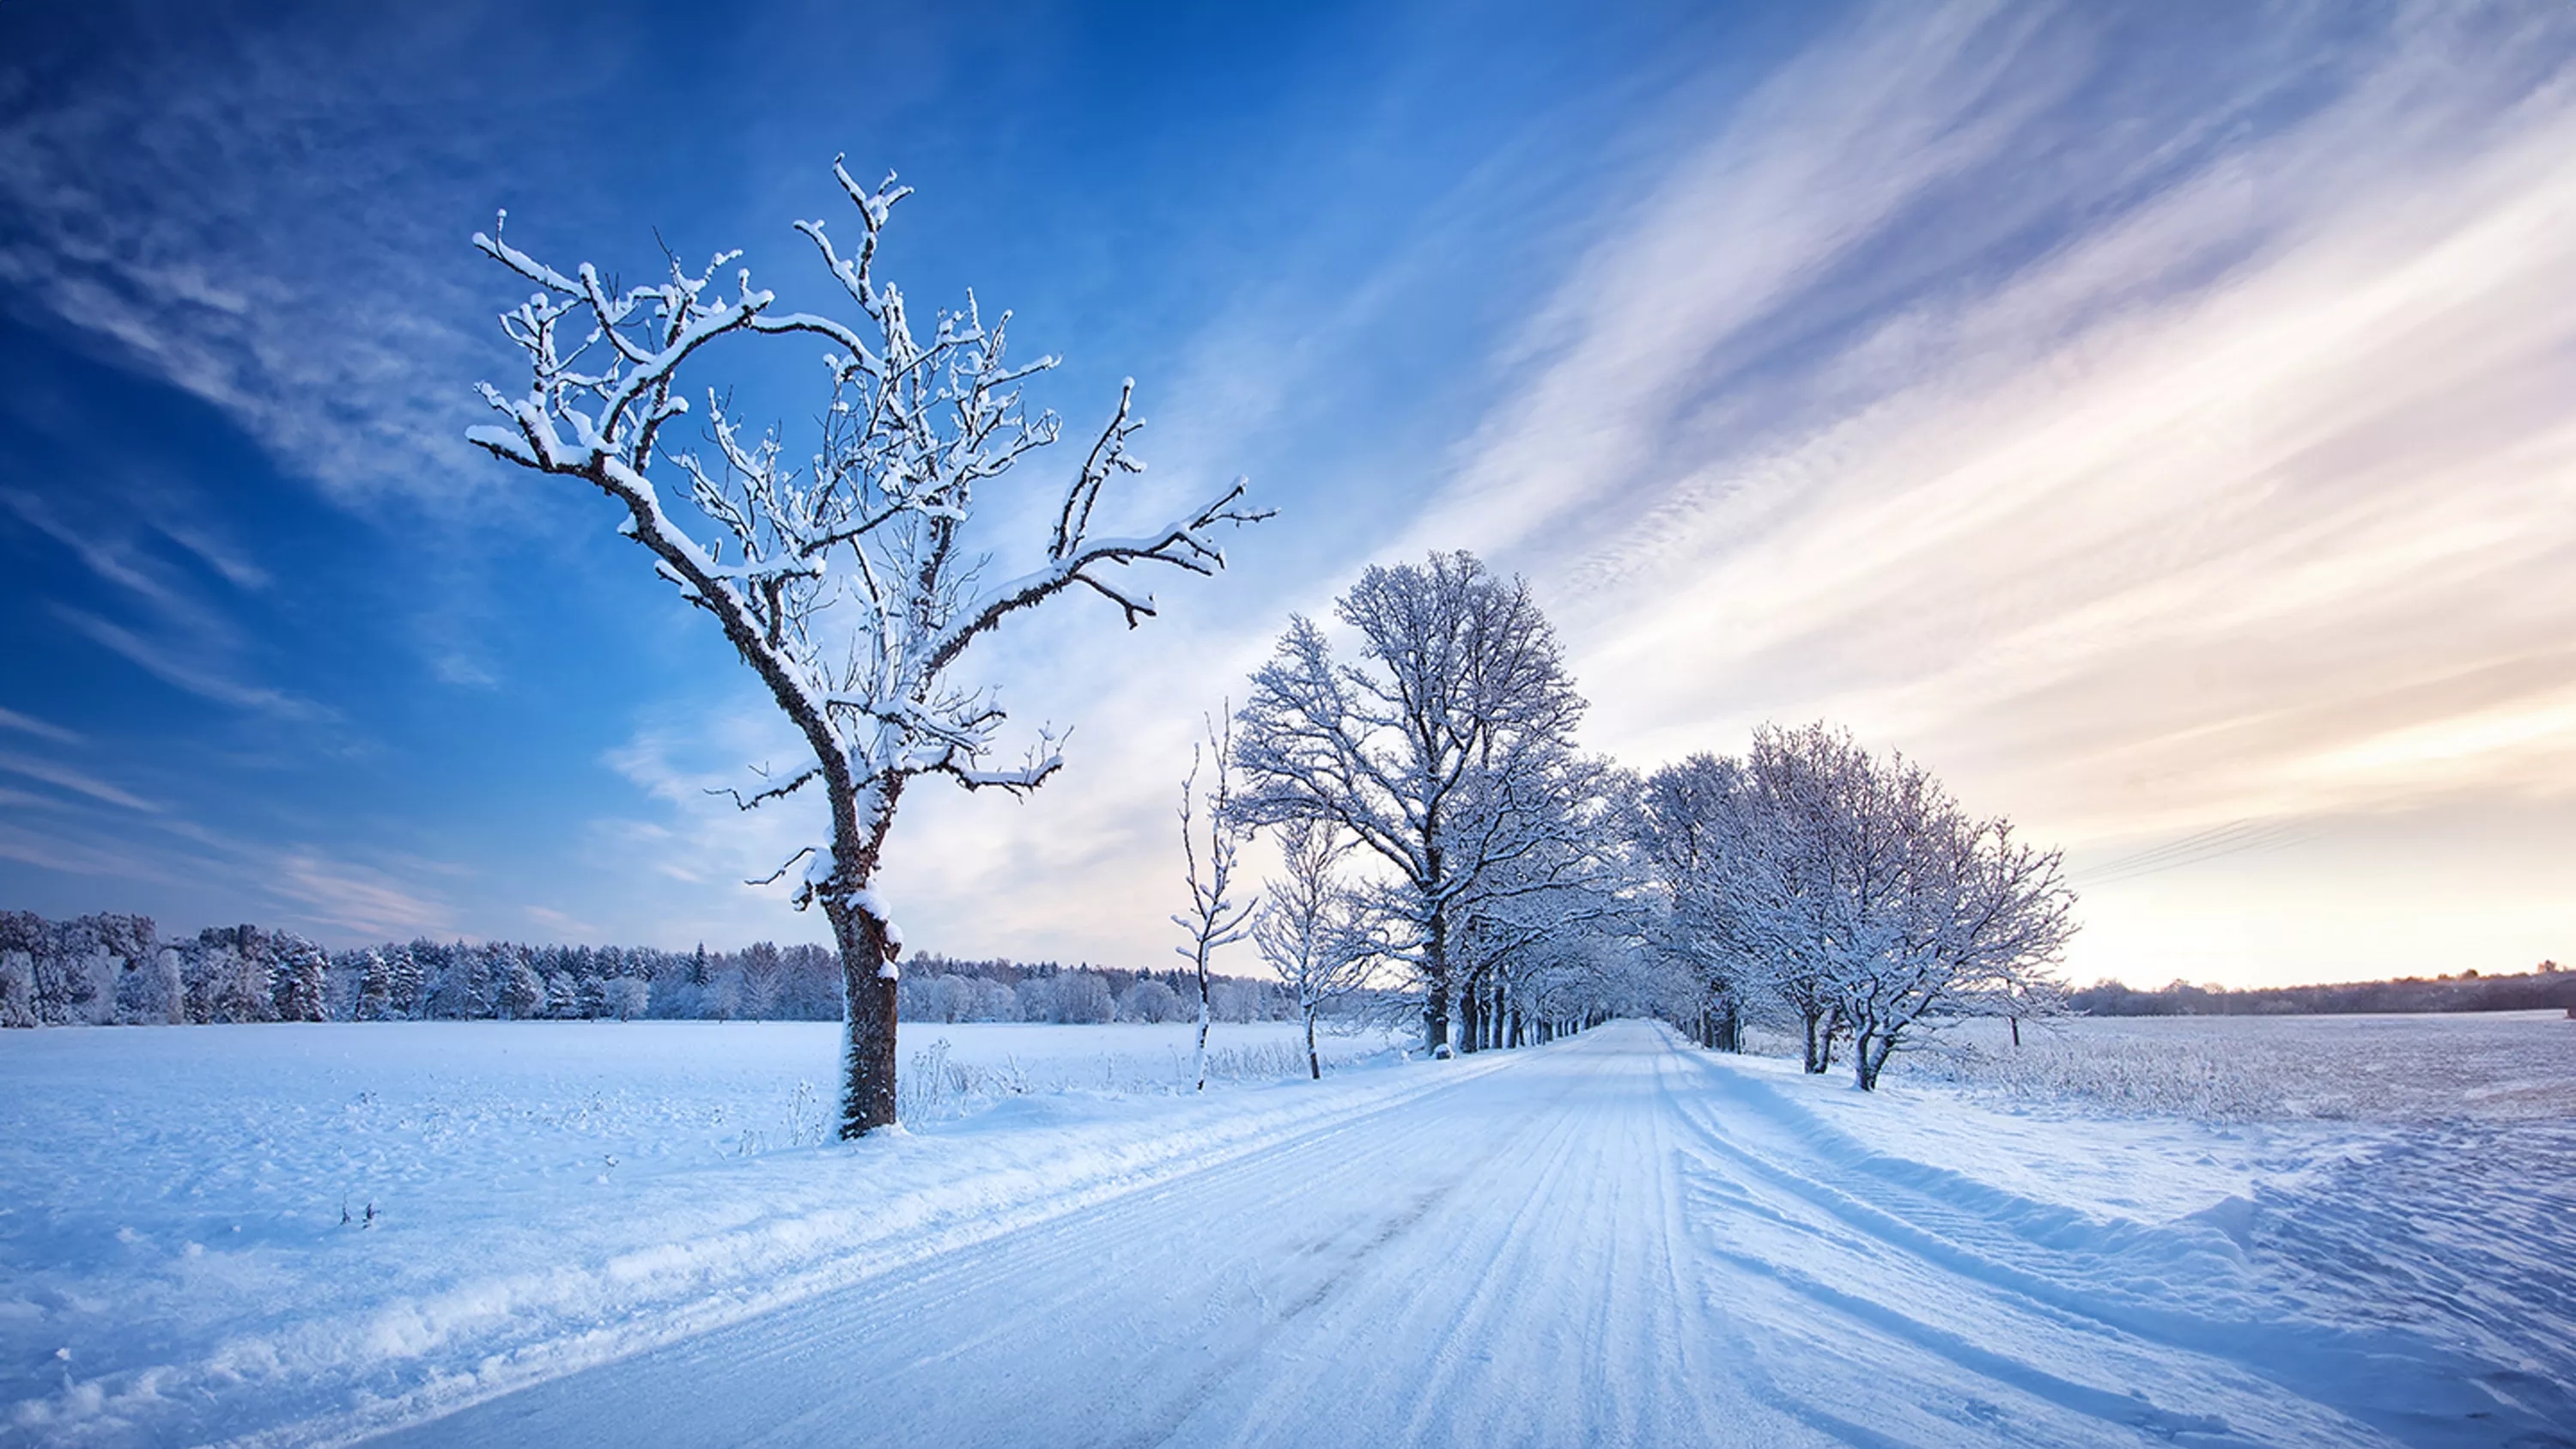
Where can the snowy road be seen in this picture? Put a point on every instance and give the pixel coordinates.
(1607, 1241)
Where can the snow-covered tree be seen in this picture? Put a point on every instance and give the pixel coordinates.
(74, 976)
(375, 986)
(625, 998)
(1067, 998)
(1985, 919)
(405, 983)
(1308, 929)
(1440, 751)
(1684, 814)
(17, 989)
(1211, 843)
(1852, 889)
(844, 581)
(523, 992)
(563, 995)
(154, 992)
(995, 1001)
(457, 982)
(1149, 1000)
(241, 970)
(1746, 846)
(299, 979)
(1569, 879)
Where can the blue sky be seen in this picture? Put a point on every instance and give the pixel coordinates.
(2154, 417)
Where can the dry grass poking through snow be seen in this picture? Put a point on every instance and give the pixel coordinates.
(939, 1083)
(2491, 1066)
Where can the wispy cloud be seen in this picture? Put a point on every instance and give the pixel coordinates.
(357, 899)
(563, 927)
(2219, 478)
(104, 860)
(197, 676)
(2209, 485)
(10, 719)
(107, 552)
(134, 853)
(148, 202)
(68, 778)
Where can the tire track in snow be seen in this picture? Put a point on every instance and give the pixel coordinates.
(1610, 1240)
(1490, 1265)
(849, 1264)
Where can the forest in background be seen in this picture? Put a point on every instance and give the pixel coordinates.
(116, 970)
(2544, 986)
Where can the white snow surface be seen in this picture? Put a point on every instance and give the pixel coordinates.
(600, 1233)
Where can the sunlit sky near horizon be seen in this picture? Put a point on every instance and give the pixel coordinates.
(2160, 419)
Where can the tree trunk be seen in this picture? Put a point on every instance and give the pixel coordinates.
(1815, 1062)
(1435, 971)
(1871, 1059)
(868, 1013)
(1314, 1063)
(2015, 1023)
(1471, 1017)
(1203, 1017)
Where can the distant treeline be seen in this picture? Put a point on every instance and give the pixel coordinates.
(115, 970)
(2547, 986)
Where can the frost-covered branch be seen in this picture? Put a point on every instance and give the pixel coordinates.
(1853, 890)
(839, 568)
(1445, 751)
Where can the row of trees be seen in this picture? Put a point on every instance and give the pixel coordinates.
(1435, 822)
(1434, 817)
(935, 989)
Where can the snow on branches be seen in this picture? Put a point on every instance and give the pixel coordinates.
(840, 572)
(1309, 926)
(1851, 889)
(1211, 844)
(1446, 752)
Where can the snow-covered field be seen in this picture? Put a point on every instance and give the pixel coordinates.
(2501, 1066)
(597, 1233)
(173, 1221)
